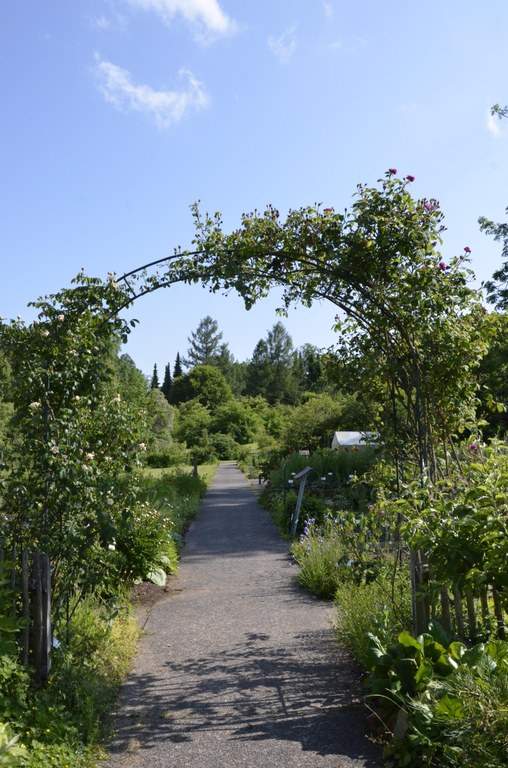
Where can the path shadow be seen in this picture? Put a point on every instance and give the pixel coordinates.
(255, 691)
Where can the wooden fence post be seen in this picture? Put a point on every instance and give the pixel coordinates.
(420, 601)
(498, 611)
(41, 615)
(459, 614)
(445, 610)
(25, 602)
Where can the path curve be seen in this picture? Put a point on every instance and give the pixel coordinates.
(239, 666)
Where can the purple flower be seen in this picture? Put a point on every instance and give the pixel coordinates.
(473, 447)
(410, 178)
(467, 249)
(393, 171)
(430, 207)
(442, 266)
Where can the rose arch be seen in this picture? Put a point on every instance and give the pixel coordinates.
(407, 317)
(409, 327)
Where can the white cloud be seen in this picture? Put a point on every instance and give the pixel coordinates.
(101, 23)
(283, 47)
(206, 16)
(166, 107)
(493, 126)
(328, 10)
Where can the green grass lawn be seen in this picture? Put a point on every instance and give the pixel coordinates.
(205, 471)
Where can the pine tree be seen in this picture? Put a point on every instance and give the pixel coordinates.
(166, 384)
(154, 384)
(177, 370)
(204, 344)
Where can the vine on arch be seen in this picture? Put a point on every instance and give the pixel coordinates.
(409, 318)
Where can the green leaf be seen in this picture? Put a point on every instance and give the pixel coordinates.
(451, 706)
(407, 670)
(408, 641)
(7, 624)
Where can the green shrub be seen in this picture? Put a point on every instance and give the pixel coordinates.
(337, 467)
(141, 540)
(283, 505)
(441, 704)
(14, 686)
(477, 727)
(60, 723)
(176, 455)
(319, 552)
(224, 446)
(176, 496)
(381, 607)
(12, 754)
(205, 453)
(248, 459)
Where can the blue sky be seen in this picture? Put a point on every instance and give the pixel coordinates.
(119, 114)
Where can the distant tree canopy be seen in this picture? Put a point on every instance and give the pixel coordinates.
(493, 377)
(271, 371)
(497, 288)
(276, 370)
(204, 383)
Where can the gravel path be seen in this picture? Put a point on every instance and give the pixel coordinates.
(239, 666)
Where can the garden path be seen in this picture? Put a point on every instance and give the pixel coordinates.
(238, 665)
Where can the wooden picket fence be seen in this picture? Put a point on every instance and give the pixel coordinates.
(464, 615)
(29, 582)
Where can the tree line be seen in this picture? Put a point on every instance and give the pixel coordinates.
(276, 370)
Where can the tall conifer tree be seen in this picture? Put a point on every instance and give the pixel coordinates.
(204, 344)
(177, 370)
(166, 384)
(154, 384)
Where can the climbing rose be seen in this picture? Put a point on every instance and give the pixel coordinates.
(430, 207)
(473, 447)
(393, 171)
(410, 178)
(442, 266)
(467, 249)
